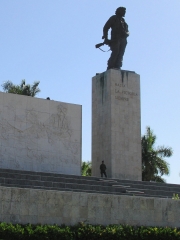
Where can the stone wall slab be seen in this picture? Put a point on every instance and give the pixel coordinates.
(40, 135)
(34, 206)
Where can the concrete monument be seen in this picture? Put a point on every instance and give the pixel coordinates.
(116, 127)
(40, 135)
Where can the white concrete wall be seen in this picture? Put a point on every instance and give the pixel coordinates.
(116, 124)
(40, 135)
(54, 207)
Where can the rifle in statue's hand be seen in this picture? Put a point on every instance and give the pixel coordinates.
(106, 42)
(99, 45)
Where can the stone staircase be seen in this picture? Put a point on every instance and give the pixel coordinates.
(62, 182)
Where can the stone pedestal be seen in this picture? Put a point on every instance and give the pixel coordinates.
(116, 124)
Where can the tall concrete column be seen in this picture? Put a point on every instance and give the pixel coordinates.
(116, 124)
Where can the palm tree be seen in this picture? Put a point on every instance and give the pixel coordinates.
(153, 164)
(86, 169)
(22, 89)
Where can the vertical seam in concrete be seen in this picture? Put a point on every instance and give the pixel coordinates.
(127, 78)
(122, 74)
(81, 141)
(102, 85)
(140, 116)
(110, 78)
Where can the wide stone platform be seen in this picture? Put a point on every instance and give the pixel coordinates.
(63, 182)
(36, 197)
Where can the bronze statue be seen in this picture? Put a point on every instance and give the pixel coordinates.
(118, 41)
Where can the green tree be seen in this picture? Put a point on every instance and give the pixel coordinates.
(86, 168)
(154, 165)
(22, 88)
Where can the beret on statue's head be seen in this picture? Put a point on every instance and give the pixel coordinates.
(120, 9)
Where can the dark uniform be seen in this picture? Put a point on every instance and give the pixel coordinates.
(119, 34)
(103, 169)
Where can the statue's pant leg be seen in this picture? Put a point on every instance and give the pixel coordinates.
(115, 52)
(122, 47)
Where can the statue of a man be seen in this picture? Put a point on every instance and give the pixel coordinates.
(119, 34)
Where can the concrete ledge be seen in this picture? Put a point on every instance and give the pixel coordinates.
(23, 205)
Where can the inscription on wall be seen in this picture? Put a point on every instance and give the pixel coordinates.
(45, 138)
(122, 94)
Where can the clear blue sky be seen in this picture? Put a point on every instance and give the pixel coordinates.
(53, 42)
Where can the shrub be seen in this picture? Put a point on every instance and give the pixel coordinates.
(86, 232)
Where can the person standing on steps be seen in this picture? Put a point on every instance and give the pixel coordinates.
(103, 169)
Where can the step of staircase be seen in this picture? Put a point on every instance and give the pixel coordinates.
(63, 182)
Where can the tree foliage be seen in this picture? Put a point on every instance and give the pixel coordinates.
(154, 166)
(86, 169)
(22, 88)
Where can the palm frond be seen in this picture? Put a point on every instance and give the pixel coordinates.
(86, 169)
(159, 179)
(7, 85)
(22, 88)
(154, 165)
(165, 151)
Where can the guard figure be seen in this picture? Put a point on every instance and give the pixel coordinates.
(103, 169)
